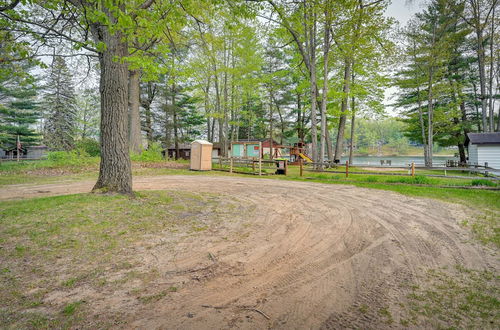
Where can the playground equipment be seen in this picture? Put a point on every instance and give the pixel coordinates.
(297, 152)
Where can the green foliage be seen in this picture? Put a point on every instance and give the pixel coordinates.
(18, 111)
(70, 158)
(60, 110)
(89, 146)
(483, 182)
(419, 179)
(152, 154)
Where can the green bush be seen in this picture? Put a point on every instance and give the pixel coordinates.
(74, 158)
(483, 182)
(90, 146)
(419, 179)
(153, 154)
(371, 179)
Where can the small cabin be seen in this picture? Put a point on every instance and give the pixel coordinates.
(31, 152)
(484, 149)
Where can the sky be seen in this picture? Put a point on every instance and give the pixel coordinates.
(403, 10)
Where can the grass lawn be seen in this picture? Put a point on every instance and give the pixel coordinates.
(56, 244)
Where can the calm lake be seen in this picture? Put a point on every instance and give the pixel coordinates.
(397, 160)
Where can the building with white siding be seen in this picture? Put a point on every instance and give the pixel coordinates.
(484, 149)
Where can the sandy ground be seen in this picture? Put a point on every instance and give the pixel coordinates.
(314, 255)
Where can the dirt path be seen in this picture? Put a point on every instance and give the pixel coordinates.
(314, 257)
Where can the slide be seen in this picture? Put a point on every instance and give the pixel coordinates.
(305, 157)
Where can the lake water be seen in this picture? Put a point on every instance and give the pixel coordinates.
(397, 160)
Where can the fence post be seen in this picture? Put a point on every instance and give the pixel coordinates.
(346, 168)
(301, 166)
(231, 165)
(220, 162)
(286, 167)
(412, 169)
(253, 164)
(260, 158)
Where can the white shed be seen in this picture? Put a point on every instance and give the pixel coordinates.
(201, 155)
(484, 148)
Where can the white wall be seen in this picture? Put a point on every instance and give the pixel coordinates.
(489, 153)
(473, 154)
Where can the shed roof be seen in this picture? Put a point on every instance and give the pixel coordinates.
(484, 138)
(201, 142)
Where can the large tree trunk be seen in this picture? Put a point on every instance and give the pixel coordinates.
(490, 80)
(422, 127)
(175, 122)
(148, 115)
(329, 146)
(270, 126)
(353, 118)
(326, 49)
(430, 119)
(134, 96)
(482, 73)
(314, 124)
(343, 111)
(115, 174)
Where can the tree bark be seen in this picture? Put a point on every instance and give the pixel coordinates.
(478, 29)
(134, 96)
(115, 174)
(353, 117)
(176, 125)
(326, 49)
(312, 52)
(490, 80)
(430, 118)
(148, 115)
(270, 126)
(343, 111)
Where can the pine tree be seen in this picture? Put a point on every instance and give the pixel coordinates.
(60, 103)
(18, 111)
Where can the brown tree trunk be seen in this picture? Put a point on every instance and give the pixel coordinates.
(146, 104)
(314, 124)
(353, 118)
(115, 174)
(270, 126)
(326, 50)
(176, 128)
(343, 112)
(135, 136)
(490, 80)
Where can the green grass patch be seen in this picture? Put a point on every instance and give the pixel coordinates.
(62, 243)
(459, 298)
(483, 182)
(419, 179)
(485, 227)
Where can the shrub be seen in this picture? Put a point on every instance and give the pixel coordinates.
(73, 158)
(419, 179)
(483, 182)
(152, 154)
(90, 146)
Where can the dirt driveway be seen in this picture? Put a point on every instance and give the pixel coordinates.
(315, 254)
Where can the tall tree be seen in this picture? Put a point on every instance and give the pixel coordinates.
(60, 101)
(18, 111)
